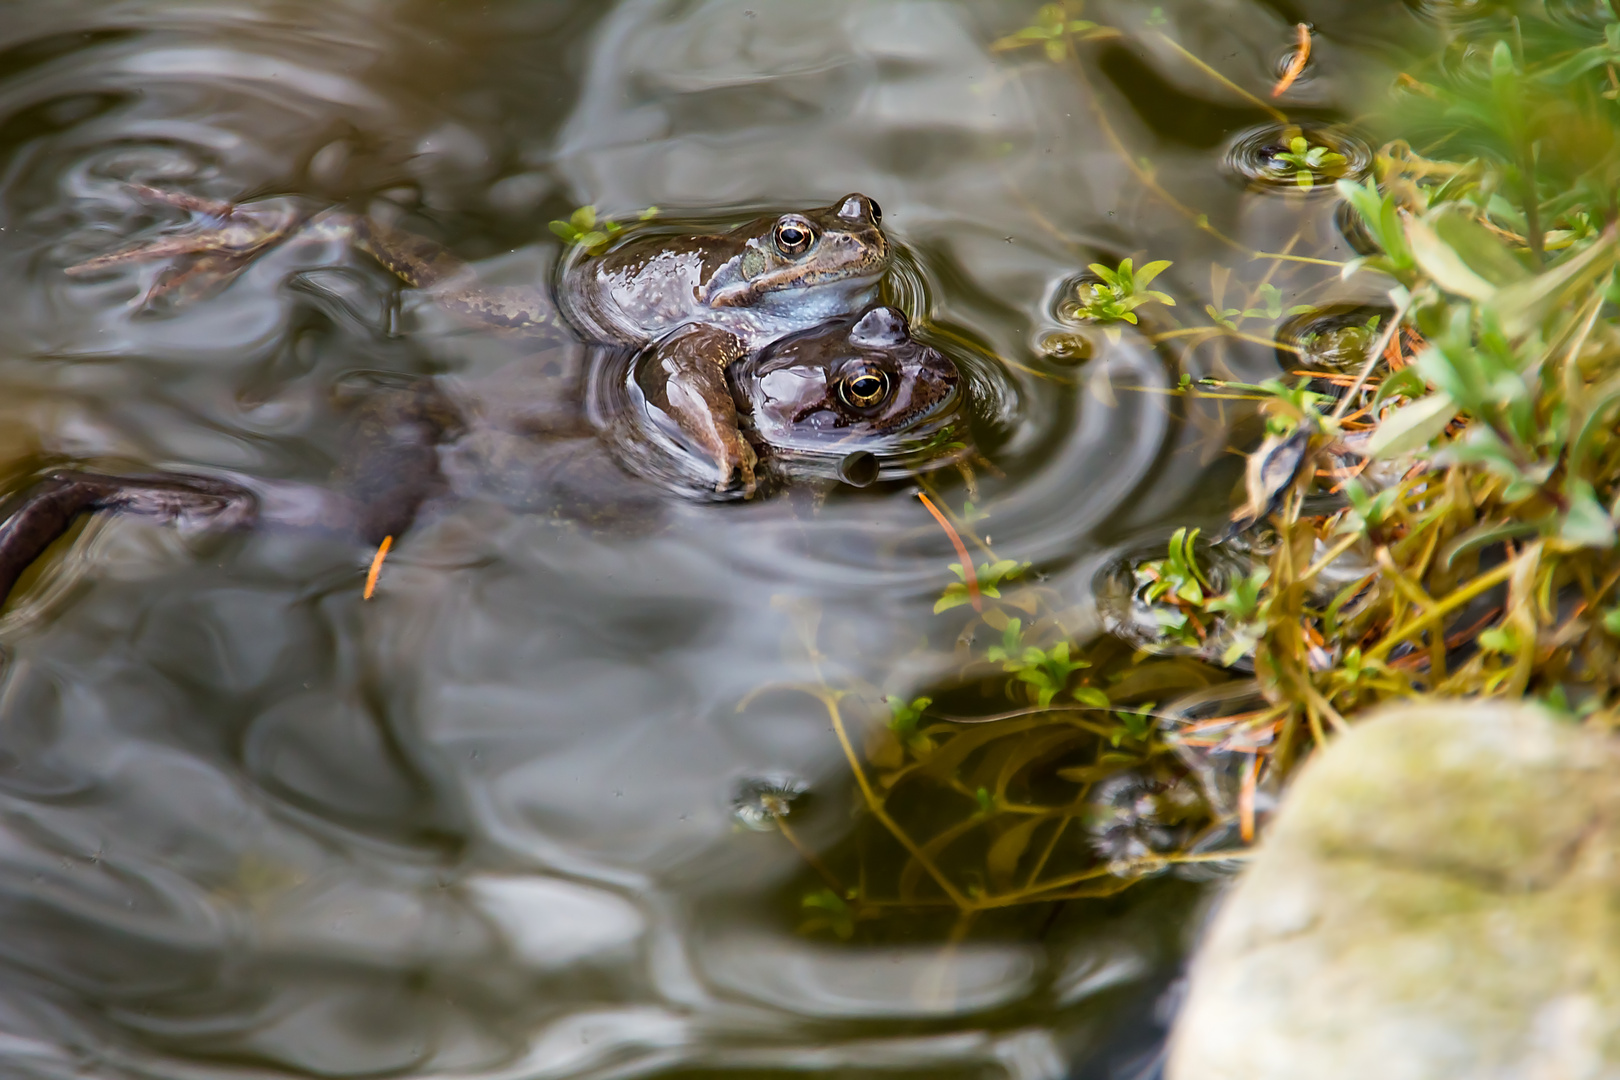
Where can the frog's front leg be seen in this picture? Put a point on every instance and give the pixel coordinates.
(422, 264)
(47, 510)
(684, 375)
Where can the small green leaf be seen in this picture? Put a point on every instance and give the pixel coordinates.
(1443, 265)
(1413, 426)
(1586, 523)
(1090, 695)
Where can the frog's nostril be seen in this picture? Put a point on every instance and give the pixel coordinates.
(859, 469)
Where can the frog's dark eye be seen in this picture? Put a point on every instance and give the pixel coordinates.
(864, 388)
(793, 237)
(877, 211)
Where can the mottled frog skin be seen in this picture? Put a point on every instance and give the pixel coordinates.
(771, 277)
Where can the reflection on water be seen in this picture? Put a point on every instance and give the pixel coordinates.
(492, 823)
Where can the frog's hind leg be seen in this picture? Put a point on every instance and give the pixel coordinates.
(684, 376)
(422, 264)
(211, 250)
(47, 510)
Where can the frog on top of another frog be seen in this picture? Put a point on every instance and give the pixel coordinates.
(700, 316)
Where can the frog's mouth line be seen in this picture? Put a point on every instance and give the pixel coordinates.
(744, 293)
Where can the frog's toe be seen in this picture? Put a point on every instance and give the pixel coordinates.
(736, 465)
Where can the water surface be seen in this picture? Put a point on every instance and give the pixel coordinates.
(483, 825)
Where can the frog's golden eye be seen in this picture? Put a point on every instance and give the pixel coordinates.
(865, 388)
(793, 236)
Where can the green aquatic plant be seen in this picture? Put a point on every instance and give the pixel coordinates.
(585, 229)
(990, 575)
(1054, 30)
(1116, 294)
(1045, 671)
(1270, 307)
(1308, 161)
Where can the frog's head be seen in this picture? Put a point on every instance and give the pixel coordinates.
(856, 392)
(837, 252)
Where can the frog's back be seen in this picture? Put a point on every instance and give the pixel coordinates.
(643, 289)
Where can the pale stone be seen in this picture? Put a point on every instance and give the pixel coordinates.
(1438, 898)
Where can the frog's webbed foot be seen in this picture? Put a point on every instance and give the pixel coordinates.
(684, 375)
(47, 510)
(217, 244)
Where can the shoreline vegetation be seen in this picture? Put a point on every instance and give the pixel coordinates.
(1430, 511)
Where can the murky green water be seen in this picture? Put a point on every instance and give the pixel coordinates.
(482, 826)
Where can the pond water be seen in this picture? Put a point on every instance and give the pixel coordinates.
(486, 824)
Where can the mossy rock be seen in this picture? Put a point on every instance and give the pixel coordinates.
(1438, 897)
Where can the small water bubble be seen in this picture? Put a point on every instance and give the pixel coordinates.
(761, 801)
(1333, 340)
(1066, 348)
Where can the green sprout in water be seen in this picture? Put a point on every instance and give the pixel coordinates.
(1307, 161)
(1046, 671)
(1116, 295)
(1272, 308)
(586, 230)
(1053, 30)
(834, 913)
(903, 721)
(991, 576)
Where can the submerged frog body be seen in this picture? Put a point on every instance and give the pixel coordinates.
(700, 301)
(856, 399)
(708, 352)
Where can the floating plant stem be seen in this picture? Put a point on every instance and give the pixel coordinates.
(1259, 103)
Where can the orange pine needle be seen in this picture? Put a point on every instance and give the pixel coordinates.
(969, 575)
(1296, 64)
(376, 567)
(1251, 776)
